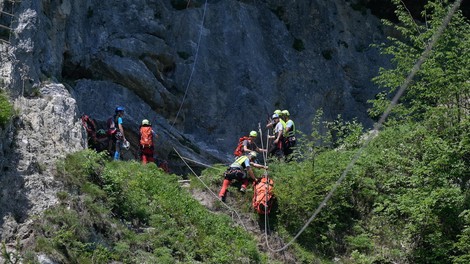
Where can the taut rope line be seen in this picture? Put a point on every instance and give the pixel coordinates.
(194, 63)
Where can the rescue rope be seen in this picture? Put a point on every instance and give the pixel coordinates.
(205, 165)
(194, 63)
(377, 126)
(265, 153)
(265, 156)
(207, 187)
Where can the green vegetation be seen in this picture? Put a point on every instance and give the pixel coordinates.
(124, 211)
(441, 88)
(406, 200)
(6, 109)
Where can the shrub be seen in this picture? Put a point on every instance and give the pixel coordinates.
(125, 211)
(6, 109)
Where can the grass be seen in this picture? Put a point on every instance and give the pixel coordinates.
(125, 211)
(6, 109)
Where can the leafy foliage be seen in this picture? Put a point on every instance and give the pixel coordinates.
(300, 191)
(443, 78)
(133, 213)
(6, 109)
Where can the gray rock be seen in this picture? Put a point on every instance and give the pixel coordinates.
(46, 129)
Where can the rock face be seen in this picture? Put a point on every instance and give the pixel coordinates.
(253, 57)
(46, 129)
(204, 73)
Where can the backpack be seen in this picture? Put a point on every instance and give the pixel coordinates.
(263, 196)
(97, 138)
(146, 136)
(239, 150)
(89, 124)
(110, 124)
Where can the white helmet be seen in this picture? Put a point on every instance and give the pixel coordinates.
(253, 154)
(145, 122)
(126, 145)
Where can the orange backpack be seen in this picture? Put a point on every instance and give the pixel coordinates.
(146, 136)
(239, 150)
(263, 196)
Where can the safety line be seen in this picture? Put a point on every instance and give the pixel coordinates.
(200, 163)
(207, 187)
(378, 125)
(194, 63)
(265, 156)
(265, 153)
(411, 17)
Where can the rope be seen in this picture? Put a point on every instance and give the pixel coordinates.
(378, 125)
(207, 187)
(194, 63)
(200, 163)
(265, 156)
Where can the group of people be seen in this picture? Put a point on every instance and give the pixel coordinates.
(283, 141)
(118, 138)
(283, 134)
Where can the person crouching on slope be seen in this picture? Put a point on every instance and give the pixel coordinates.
(146, 142)
(238, 171)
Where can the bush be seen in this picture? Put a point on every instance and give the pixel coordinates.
(125, 211)
(6, 109)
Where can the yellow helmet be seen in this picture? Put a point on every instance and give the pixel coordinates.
(278, 112)
(253, 134)
(285, 112)
(253, 154)
(145, 122)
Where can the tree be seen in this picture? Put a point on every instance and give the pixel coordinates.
(425, 189)
(442, 83)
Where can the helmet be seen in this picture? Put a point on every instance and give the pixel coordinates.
(285, 112)
(278, 112)
(253, 154)
(275, 116)
(101, 132)
(253, 134)
(126, 144)
(145, 122)
(119, 109)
